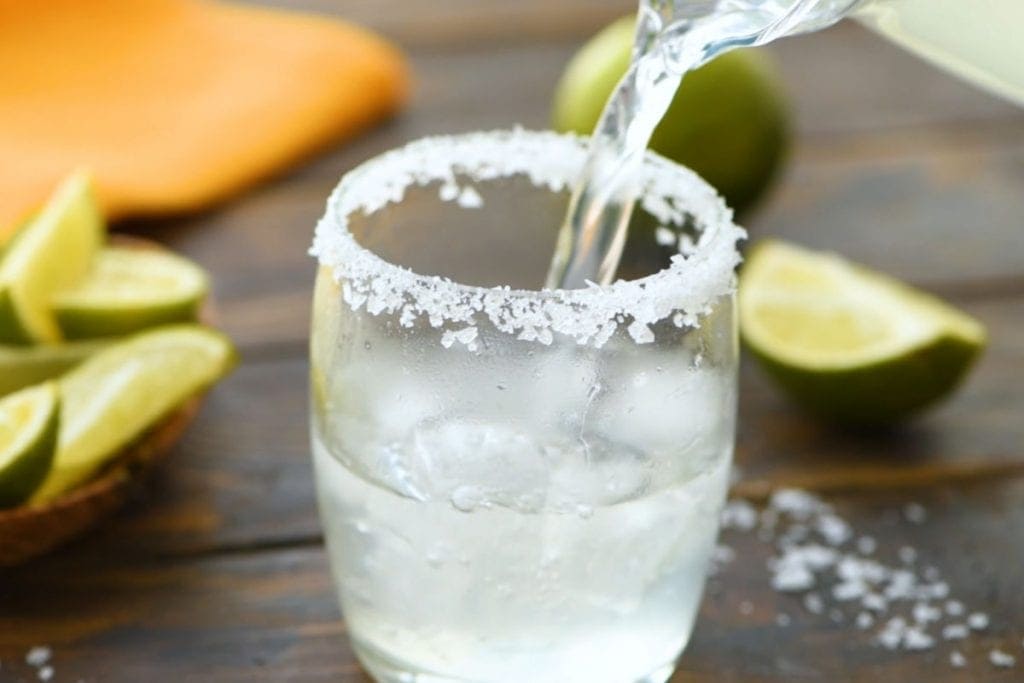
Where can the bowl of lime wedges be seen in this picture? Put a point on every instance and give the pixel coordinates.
(105, 355)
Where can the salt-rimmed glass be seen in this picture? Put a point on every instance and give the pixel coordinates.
(518, 485)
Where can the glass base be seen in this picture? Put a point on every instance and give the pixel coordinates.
(384, 669)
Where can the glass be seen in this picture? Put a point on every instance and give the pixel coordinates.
(518, 485)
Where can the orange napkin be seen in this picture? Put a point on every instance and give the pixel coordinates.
(174, 104)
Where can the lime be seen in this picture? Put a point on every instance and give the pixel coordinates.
(848, 343)
(127, 290)
(728, 122)
(22, 366)
(51, 252)
(114, 396)
(28, 438)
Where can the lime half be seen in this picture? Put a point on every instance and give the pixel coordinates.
(22, 366)
(848, 343)
(51, 252)
(127, 290)
(28, 437)
(113, 397)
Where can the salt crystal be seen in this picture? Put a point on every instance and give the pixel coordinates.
(723, 554)
(916, 639)
(931, 573)
(934, 591)
(793, 579)
(955, 631)
(448, 192)
(782, 619)
(45, 673)
(954, 608)
(38, 656)
(866, 545)
(892, 633)
(907, 555)
(466, 336)
(746, 607)
(915, 513)
(925, 613)
(799, 504)
(469, 198)
(874, 601)
(849, 590)
(833, 529)
(978, 621)
(957, 660)
(851, 568)
(901, 585)
(739, 515)
(664, 236)
(814, 603)
(793, 571)
(1002, 659)
(864, 621)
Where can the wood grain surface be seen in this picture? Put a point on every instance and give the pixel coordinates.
(218, 573)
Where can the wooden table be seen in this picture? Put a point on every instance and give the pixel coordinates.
(218, 574)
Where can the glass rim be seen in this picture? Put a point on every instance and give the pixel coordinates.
(682, 291)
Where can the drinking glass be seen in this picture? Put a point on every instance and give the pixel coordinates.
(518, 484)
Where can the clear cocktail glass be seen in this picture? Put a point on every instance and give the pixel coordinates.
(518, 485)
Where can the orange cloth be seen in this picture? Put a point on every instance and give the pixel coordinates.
(174, 104)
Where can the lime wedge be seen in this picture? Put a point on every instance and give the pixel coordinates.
(22, 366)
(113, 397)
(127, 290)
(28, 438)
(51, 252)
(848, 343)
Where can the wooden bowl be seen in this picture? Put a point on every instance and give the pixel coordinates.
(27, 532)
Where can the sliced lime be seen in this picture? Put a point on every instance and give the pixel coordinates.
(849, 343)
(127, 290)
(53, 251)
(28, 437)
(114, 396)
(22, 366)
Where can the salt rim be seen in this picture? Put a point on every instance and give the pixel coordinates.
(683, 291)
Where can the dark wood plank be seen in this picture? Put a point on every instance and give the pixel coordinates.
(270, 616)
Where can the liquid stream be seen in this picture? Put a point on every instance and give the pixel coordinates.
(975, 39)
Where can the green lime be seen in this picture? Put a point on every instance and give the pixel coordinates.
(28, 437)
(729, 121)
(51, 252)
(112, 398)
(127, 290)
(848, 343)
(22, 366)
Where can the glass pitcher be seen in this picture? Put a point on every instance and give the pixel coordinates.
(978, 40)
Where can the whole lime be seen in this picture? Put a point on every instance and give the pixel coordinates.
(729, 121)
